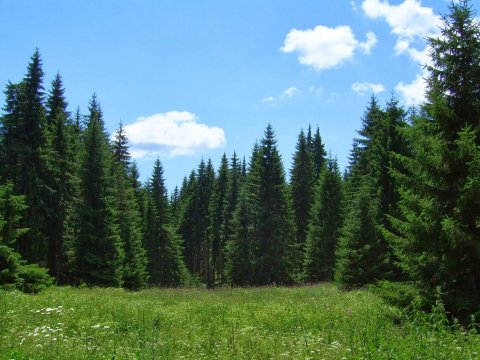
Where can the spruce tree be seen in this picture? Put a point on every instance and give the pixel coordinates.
(22, 142)
(230, 205)
(436, 234)
(217, 213)
(360, 258)
(323, 231)
(15, 273)
(302, 185)
(165, 265)
(60, 157)
(240, 263)
(318, 153)
(98, 251)
(128, 216)
(275, 228)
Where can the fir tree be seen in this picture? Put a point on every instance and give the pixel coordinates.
(302, 184)
(15, 273)
(437, 234)
(217, 213)
(274, 229)
(165, 265)
(98, 249)
(323, 232)
(22, 141)
(359, 256)
(318, 154)
(230, 205)
(128, 216)
(60, 158)
(239, 265)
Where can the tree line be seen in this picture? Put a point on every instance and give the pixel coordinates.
(405, 214)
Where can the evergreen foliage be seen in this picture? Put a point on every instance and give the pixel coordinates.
(323, 231)
(302, 181)
(274, 228)
(14, 272)
(128, 217)
(98, 251)
(165, 265)
(360, 258)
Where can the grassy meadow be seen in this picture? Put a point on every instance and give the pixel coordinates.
(313, 322)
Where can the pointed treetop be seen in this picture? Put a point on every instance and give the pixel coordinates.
(56, 102)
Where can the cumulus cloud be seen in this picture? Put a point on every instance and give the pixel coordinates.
(173, 133)
(411, 22)
(286, 94)
(363, 88)
(323, 47)
(413, 93)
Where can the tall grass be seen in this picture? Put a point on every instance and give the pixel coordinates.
(317, 322)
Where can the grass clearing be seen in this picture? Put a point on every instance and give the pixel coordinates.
(314, 322)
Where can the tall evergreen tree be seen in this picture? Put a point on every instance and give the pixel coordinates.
(60, 157)
(274, 229)
(217, 213)
(360, 258)
(22, 140)
(240, 262)
(98, 249)
(302, 184)
(230, 205)
(318, 153)
(326, 219)
(128, 215)
(165, 265)
(437, 239)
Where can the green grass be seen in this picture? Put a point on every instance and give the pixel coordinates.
(317, 322)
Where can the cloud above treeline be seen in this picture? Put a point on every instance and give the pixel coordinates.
(324, 47)
(286, 94)
(173, 133)
(411, 22)
(366, 87)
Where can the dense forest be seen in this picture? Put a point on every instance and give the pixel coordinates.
(404, 215)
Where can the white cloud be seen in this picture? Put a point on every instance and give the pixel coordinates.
(362, 88)
(173, 133)
(367, 46)
(291, 91)
(353, 5)
(413, 93)
(324, 47)
(286, 94)
(410, 21)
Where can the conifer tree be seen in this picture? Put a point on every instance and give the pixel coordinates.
(217, 213)
(186, 227)
(302, 184)
(360, 258)
(165, 265)
(240, 263)
(323, 231)
(22, 141)
(60, 157)
(318, 153)
(437, 234)
(128, 216)
(98, 251)
(15, 273)
(274, 229)
(230, 205)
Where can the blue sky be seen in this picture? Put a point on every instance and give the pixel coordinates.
(193, 79)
